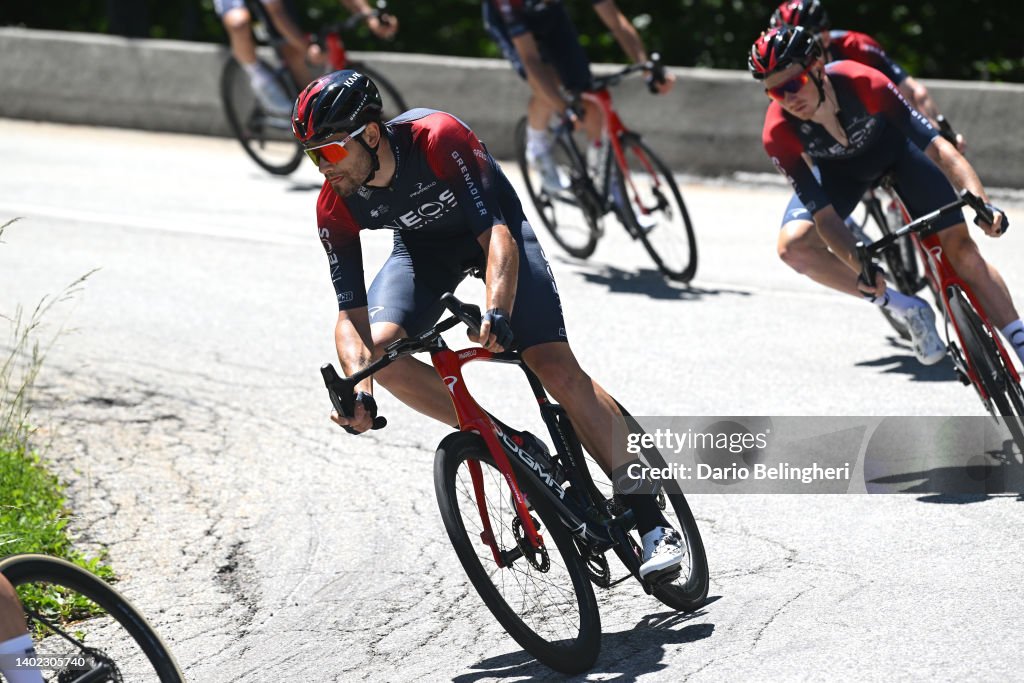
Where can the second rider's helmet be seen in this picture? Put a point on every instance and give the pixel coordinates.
(807, 13)
(782, 47)
(339, 102)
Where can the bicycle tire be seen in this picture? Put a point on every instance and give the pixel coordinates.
(1007, 401)
(29, 568)
(572, 656)
(579, 240)
(267, 140)
(389, 93)
(674, 254)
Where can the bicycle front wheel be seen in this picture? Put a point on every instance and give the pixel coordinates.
(542, 597)
(573, 219)
(652, 208)
(267, 139)
(86, 626)
(1006, 399)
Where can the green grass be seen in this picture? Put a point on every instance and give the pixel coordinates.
(33, 508)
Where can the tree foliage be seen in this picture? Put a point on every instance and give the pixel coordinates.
(960, 39)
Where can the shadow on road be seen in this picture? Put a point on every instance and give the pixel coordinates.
(998, 472)
(651, 283)
(624, 654)
(904, 363)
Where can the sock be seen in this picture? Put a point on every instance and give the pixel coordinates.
(258, 74)
(19, 645)
(896, 301)
(538, 142)
(1014, 333)
(645, 511)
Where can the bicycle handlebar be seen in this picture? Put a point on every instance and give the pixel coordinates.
(923, 226)
(653, 65)
(342, 389)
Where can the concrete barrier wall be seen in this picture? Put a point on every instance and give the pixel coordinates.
(710, 123)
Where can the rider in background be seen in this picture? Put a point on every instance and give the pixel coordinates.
(297, 48)
(15, 640)
(859, 47)
(541, 42)
(854, 126)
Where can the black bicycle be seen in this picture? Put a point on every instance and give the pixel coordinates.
(89, 633)
(629, 181)
(267, 138)
(498, 489)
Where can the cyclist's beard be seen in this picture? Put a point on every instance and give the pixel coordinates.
(346, 184)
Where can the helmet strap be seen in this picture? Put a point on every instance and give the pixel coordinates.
(821, 89)
(372, 151)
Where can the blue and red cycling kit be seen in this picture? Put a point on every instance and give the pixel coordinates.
(553, 30)
(862, 48)
(446, 191)
(885, 135)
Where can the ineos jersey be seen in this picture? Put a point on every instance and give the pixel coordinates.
(876, 119)
(862, 48)
(445, 185)
(514, 14)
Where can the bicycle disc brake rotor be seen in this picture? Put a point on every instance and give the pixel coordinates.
(537, 557)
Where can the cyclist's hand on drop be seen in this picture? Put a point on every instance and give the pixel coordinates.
(495, 331)
(998, 224)
(365, 408)
(868, 291)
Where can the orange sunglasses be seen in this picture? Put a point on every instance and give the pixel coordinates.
(333, 152)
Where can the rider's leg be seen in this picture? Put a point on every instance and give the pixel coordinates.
(412, 381)
(238, 24)
(801, 248)
(294, 50)
(14, 638)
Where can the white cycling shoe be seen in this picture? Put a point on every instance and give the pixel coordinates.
(663, 553)
(552, 178)
(928, 346)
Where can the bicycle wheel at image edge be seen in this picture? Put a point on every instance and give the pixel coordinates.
(980, 348)
(560, 624)
(268, 140)
(561, 214)
(24, 571)
(656, 212)
(394, 103)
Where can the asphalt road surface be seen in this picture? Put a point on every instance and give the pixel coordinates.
(182, 404)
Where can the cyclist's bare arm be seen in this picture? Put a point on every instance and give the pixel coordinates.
(541, 79)
(501, 277)
(377, 27)
(962, 176)
(627, 37)
(920, 99)
(354, 344)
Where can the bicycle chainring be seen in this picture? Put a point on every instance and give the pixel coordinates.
(537, 557)
(97, 664)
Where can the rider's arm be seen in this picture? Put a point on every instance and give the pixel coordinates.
(502, 273)
(541, 77)
(627, 37)
(962, 176)
(915, 93)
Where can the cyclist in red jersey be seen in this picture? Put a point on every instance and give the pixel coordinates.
(427, 177)
(859, 47)
(854, 126)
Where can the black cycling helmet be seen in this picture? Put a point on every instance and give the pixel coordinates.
(339, 102)
(807, 13)
(781, 47)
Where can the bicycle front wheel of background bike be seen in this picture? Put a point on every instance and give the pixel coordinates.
(114, 639)
(983, 355)
(394, 103)
(543, 600)
(562, 214)
(657, 214)
(267, 139)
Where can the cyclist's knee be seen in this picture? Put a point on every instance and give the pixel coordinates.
(799, 245)
(961, 250)
(237, 20)
(557, 368)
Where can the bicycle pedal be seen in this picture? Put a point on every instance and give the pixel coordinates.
(663, 579)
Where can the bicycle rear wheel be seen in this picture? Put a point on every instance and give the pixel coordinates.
(653, 210)
(102, 636)
(544, 599)
(1006, 399)
(572, 219)
(267, 139)
(394, 103)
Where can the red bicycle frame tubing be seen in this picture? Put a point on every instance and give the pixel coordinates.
(336, 56)
(613, 129)
(472, 418)
(942, 276)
